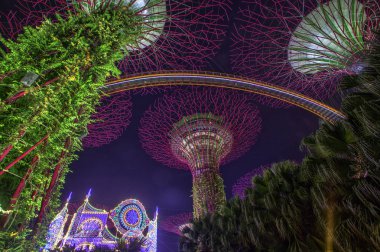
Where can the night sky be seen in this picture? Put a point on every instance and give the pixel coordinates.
(123, 170)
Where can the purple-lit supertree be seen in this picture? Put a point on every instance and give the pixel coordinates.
(184, 34)
(304, 45)
(244, 182)
(111, 118)
(199, 131)
(175, 224)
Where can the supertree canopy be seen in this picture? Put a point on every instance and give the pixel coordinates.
(244, 182)
(111, 118)
(176, 223)
(304, 45)
(191, 35)
(198, 131)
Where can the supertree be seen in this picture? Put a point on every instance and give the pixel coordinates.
(189, 38)
(175, 223)
(304, 45)
(111, 118)
(198, 130)
(50, 78)
(244, 182)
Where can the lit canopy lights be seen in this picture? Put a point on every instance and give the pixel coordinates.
(330, 37)
(154, 24)
(200, 140)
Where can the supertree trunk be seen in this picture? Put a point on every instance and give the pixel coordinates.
(9, 147)
(208, 192)
(56, 174)
(20, 94)
(190, 35)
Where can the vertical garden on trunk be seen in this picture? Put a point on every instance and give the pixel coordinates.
(49, 86)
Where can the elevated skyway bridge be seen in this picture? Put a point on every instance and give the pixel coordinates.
(212, 79)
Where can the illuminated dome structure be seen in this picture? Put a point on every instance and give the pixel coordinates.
(244, 182)
(88, 229)
(303, 45)
(199, 130)
(176, 223)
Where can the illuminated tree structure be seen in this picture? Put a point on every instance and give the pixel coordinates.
(175, 224)
(49, 86)
(111, 118)
(304, 45)
(244, 182)
(199, 131)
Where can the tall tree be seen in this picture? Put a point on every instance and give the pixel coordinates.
(49, 86)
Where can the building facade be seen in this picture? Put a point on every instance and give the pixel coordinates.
(86, 229)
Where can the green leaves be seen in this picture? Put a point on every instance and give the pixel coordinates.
(330, 140)
(73, 57)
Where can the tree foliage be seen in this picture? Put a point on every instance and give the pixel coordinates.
(72, 57)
